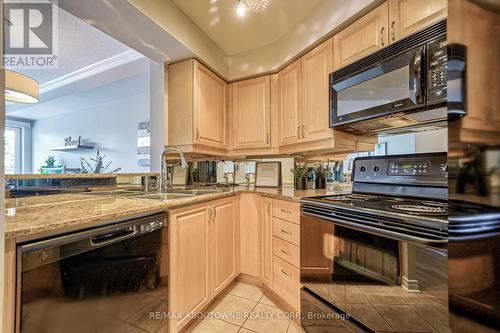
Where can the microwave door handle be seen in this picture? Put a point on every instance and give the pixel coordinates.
(416, 76)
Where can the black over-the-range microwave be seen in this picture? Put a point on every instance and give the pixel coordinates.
(401, 85)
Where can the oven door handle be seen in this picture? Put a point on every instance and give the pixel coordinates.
(378, 231)
(417, 84)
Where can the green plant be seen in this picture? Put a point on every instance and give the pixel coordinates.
(50, 161)
(98, 167)
(300, 171)
(320, 171)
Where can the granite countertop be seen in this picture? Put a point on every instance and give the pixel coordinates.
(36, 217)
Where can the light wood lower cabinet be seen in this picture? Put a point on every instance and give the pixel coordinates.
(204, 241)
(267, 242)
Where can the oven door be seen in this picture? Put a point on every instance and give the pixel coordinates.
(394, 85)
(379, 284)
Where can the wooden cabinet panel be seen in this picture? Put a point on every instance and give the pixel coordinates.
(209, 107)
(190, 264)
(251, 113)
(286, 251)
(290, 104)
(409, 16)
(316, 67)
(250, 233)
(223, 244)
(267, 242)
(287, 282)
(287, 210)
(361, 38)
(286, 231)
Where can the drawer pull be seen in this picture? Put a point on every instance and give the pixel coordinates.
(286, 231)
(286, 211)
(285, 272)
(283, 251)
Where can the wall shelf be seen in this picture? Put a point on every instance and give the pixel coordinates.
(72, 148)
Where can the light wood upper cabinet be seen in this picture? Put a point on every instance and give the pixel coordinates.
(365, 36)
(409, 16)
(196, 107)
(316, 67)
(251, 113)
(267, 242)
(224, 227)
(290, 104)
(190, 262)
(209, 107)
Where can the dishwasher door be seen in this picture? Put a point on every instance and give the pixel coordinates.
(108, 279)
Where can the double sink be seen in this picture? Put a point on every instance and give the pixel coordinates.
(161, 196)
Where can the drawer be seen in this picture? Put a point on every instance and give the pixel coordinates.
(286, 210)
(286, 251)
(287, 231)
(286, 282)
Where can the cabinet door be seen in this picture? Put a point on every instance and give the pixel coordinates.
(290, 106)
(316, 66)
(190, 262)
(409, 16)
(363, 37)
(267, 241)
(251, 113)
(209, 108)
(223, 244)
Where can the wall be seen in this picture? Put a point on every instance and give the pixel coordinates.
(420, 142)
(111, 127)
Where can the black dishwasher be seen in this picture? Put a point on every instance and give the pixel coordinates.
(108, 279)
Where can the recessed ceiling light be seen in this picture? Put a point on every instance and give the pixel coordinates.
(241, 9)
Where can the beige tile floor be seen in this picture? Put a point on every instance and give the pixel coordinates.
(245, 309)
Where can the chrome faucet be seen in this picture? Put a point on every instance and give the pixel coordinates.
(165, 177)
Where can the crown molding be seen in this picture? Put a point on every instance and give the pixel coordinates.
(91, 70)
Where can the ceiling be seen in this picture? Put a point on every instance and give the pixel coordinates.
(235, 34)
(80, 45)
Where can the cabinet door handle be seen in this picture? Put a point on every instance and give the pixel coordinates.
(269, 210)
(382, 35)
(298, 132)
(197, 134)
(285, 211)
(215, 214)
(267, 138)
(285, 272)
(286, 231)
(209, 214)
(303, 131)
(393, 37)
(283, 251)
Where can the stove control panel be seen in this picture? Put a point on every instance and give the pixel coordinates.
(415, 168)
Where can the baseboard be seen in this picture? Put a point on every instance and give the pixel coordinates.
(250, 279)
(410, 285)
(282, 304)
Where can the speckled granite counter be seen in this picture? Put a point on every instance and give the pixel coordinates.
(36, 217)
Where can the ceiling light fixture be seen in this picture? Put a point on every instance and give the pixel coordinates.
(20, 88)
(241, 9)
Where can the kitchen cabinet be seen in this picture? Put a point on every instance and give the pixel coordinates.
(290, 104)
(223, 232)
(196, 108)
(409, 16)
(316, 67)
(363, 37)
(267, 242)
(477, 28)
(204, 252)
(190, 262)
(251, 113)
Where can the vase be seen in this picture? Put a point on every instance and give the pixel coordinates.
(320, 183)
(301, 183)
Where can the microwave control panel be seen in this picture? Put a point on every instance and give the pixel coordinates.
(437, 68)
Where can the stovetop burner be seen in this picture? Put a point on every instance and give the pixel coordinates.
(353, 197)
(425, 208)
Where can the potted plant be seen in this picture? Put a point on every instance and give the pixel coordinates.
(321, 174)
(300, 173)
(50, 162)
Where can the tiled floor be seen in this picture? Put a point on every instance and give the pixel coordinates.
(246, 309)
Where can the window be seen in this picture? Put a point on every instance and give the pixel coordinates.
(13, 150)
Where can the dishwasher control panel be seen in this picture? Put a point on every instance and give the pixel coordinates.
(151, 226)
